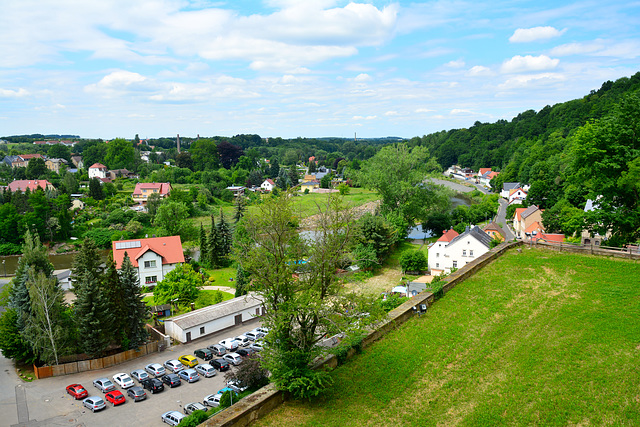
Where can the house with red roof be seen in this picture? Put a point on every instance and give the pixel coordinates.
(517, 196)
(154, 257)
(22, 160)
(436, 251)
(144, 189)
(97, 170)
(268, 185)
(495, 231)
(32, 185)
(524, 219)
(453, 250)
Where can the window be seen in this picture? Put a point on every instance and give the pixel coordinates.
(437, 265)
(202, 330)
(437, 254)
(470, 252)
(464, 252)
(455, 264)
(150, 279)
(150, 264)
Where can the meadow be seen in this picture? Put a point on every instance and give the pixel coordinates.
(535, 338)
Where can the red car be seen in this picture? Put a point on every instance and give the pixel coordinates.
(77, 391)
(115, 397)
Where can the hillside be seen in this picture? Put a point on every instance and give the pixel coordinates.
(558, 343)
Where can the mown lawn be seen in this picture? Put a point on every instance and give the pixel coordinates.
(205, 299)
(536, 338)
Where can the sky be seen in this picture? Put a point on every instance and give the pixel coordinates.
(307, 68)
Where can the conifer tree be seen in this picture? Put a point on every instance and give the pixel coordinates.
(225, 240)
(115, 295)
(204, 246)
(240, 209)
(91, 307)
(241, 282)
(214, 248)
(133, 304)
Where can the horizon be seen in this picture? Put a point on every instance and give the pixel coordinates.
(288, 69)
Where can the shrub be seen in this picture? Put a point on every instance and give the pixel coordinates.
(101, 236)
(250, 372)
(228, 398)
(413, 261)
(195, 419)
(10, 249)
(391, 302)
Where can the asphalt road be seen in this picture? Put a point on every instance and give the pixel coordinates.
(46, 403)
(501, 219)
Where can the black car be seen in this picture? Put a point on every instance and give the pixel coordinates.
(204, 353)
(137, 393)
(220, 364)
(244, 352)
(172, 380)
(154, 385)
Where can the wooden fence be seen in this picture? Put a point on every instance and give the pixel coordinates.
(629, 253)
(94, 364)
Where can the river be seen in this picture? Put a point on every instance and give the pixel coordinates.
(59, 261)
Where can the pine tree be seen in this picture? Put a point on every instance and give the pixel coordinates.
(204, 246)
(91, 307)
(213, 246)
(115, 295)
(241, 207)
(241, 282)
(225, 240)
(135, 308)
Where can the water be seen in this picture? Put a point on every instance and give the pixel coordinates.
(416, 233)
(59, 261)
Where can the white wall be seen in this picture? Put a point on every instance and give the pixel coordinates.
(96, 173)
(145, 272)
(462, 251)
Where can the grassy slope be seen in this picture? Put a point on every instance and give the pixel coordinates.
(537, 338)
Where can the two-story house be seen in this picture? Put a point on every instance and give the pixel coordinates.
(458, 252)
(268, 185)
(525, 218)
(32, 185)
(154, 257)
(435, 255)
(144, 189)
(517, 196)
(97, 170)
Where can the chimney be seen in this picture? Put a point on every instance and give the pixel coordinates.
(178, 143)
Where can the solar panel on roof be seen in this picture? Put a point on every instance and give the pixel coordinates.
(128, 245)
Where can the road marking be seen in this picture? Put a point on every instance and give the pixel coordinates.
(21, 404)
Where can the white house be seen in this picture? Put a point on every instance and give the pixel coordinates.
(213, 319)
(97, 170)
(154, 257)
(507, 187)
(267, 185)
(517, 196)
(435, 255)
(460, 251)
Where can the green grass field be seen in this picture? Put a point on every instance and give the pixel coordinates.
(205, 299)
(536, 338)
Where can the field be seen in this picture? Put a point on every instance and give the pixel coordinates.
(535, 338)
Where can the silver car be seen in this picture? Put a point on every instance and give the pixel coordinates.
(190, 408)
(140, 375)
(189, 375)
(104, 385)
(173, 418)
(173, 365)
(94, 403)
(206, 370)
(155, 369)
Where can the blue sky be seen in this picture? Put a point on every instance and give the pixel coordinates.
(116, 68)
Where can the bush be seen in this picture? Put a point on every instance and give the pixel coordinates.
(391, 302)
(10, 249)
(101, 237)
(413, 261)
(195, 419)
(228, 398)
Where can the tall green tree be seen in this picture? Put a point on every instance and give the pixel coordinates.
(133, 304)
(36, 168)
(241, 282)
(95, 189)
(91, 307)
(181, 286)
(240, 209)
(225, 240)
(214, 249)
(120, 155)
(204, 153)
(171, 217)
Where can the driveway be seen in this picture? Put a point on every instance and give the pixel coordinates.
(501, 219)
(46, 403)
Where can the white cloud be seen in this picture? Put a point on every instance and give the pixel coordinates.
(627, 49)
(523, 81)
(424, 110)
(461, 111)
(363, 77)
(526, 63)
(9, 93)
(364, 117)
(391, 113)
(459, 63)
(524, 35)
(479, 70)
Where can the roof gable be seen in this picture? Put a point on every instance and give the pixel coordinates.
(448, 235)
(475, 233)
(168, 248)
(98, 166)
(519, 213)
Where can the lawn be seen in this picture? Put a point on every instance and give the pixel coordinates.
(535, 338)
(205, 299)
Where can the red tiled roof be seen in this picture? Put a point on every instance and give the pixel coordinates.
(97, 166)
(163, 188)
(552, 237)
(32, 185)
(493, 174)
(519, 213)
(169, 248)
(448, 235)
(31, 156)
(534, 227)
(482, 171)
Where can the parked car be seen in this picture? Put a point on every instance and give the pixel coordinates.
(254, 335)
(115, 397)
(123, 380)
(206, 370)
(220, 364)
(217, 349)
(77, 391)
(140, 374)
(154, 385)
(190, 408)
(212, 400)
(137, 393)
(230, 344)
(155, 369)
(172, 380)
(243, 340)
(262, 330)
(204, 354)
(233, 358)
(173, 365)
(256, 346)
(94, 403)
(188, 360)
(223, 390)
(173, 418)
(189, 375)
(244, 352)
(236, 385)
(104, 385)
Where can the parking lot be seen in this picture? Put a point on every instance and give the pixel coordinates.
(47, 403)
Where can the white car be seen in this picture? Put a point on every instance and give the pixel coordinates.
(174, 365)
(236, 385)
(257, 346)
(190, 408)
(212, 400)
(243, 340)
(229, 344)
(233, 358)
(155, 369)
(123, 380)
(206, 370)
